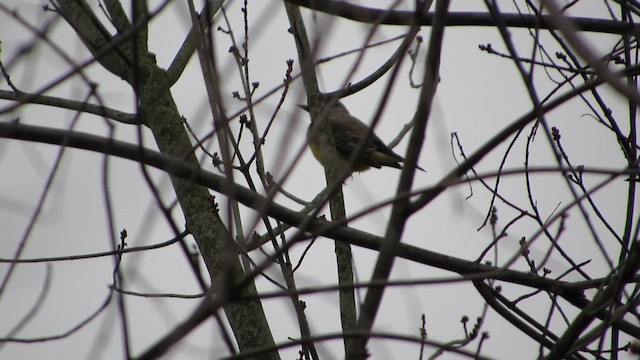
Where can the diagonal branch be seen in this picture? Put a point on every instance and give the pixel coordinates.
(74, 105)
(400, 211)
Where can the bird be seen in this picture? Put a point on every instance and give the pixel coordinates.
(348, 132)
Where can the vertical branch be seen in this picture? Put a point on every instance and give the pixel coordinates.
(249, 323)
(333, 173)
(159, 112)
(632, 142)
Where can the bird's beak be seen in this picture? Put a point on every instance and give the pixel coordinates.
(304, 107)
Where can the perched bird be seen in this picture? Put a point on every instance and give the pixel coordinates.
(348, 132)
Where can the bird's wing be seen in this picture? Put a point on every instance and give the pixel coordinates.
(348, 136)
(383, 148)
(375, 152)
